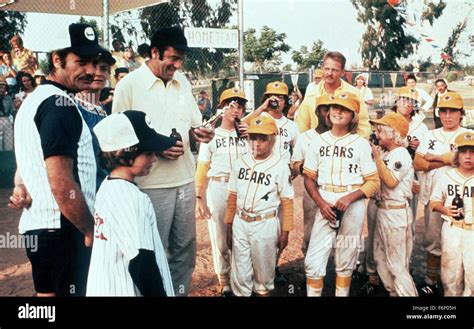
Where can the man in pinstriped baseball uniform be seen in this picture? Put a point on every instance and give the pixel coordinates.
(53, 148)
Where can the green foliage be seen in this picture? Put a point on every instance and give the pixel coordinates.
(264, 51)
(451, 44)
(11, 23)
(306, 59)
(385, 41)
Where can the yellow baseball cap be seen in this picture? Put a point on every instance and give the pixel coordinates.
(276, 88)
(348, 100)
(232, 93)
(410, 93)
(396, 121)
(262, 125)
(322, 100)
(318, 73)
(451, 100)
(465, 139)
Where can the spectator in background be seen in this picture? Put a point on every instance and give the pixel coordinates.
(441, 87)
(26, 85)
(204, 105)
(39, 77)
(9, 72)
(317, 77)
(23, 58)
(120, 73)
(117, 51)
(365, 93)
(6, 123)
(128, 59)
(426, 100)
(294, 103)
(143, 53)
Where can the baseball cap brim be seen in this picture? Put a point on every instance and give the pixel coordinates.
(181, 46)
(157, 143)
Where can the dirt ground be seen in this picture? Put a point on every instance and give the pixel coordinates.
(15, 270)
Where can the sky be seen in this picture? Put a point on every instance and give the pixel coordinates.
(304, 21)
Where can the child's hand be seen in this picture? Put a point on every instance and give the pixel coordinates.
(452, 211)
(202, 211)
(326, 211)
(343, 203)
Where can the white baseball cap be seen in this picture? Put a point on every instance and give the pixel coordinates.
(130, 128)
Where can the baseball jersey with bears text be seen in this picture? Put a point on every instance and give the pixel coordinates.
(222, 152)
(260, 184)
(340, 161)
(435, 142)
(399, 162)
(286, 137)
(124, 223)
(303, 142)
(450, 184)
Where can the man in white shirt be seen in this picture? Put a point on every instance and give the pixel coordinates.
(164, 94)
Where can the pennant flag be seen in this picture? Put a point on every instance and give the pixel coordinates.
(393, 77)
(429, 39)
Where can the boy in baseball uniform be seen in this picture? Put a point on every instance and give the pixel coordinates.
(339, 173)
(259, 184)
(128, 258)
(433, 157)
(297, 159)
(215, 162)
(457, 234)
(393, 241)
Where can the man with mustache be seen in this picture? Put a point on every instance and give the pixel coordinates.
(57, 167)
(164, 94)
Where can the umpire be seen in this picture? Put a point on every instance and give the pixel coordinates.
(57, 167)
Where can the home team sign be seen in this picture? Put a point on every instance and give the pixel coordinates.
(212, 38)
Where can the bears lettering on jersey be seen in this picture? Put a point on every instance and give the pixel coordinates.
(336, 151)
(283, 132)
(254, 177)
(232, 141)
(467, 191)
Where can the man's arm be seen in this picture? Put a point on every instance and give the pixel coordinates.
(68, 195)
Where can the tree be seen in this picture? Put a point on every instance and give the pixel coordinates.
(449, 53)
(306, 59)
(11, 23)
(264, 51)
(385, 40)
(196, 13)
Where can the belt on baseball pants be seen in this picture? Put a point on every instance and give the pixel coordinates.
(339, 189)
(463, 225)
(249, 217)
(222, 179)
(386, 205)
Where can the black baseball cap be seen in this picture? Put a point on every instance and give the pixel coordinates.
(84, 41)
(170, 36)
(130, 128)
